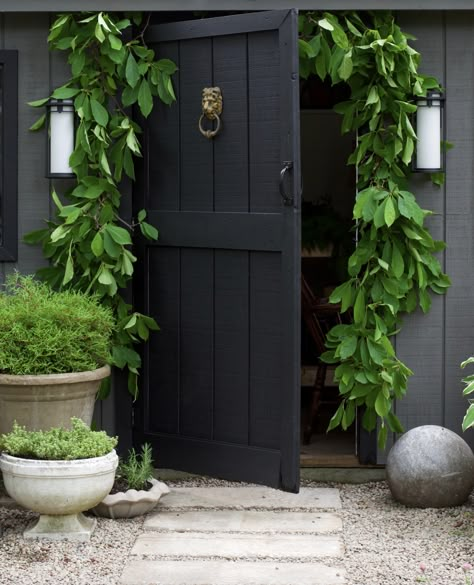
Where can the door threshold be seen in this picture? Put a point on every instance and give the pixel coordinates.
(328, 460)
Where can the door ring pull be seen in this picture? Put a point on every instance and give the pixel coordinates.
(287, 166)
(209, 133)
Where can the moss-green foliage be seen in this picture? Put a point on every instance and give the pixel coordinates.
(47, 332)
(79, 442)
(394, 267)
(89, 242)
(137, 469)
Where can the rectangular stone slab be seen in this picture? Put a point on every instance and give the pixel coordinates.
(243, 521)
(230, 573)
(245, 498)
(232, 546)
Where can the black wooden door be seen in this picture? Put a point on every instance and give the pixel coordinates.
(220, 385)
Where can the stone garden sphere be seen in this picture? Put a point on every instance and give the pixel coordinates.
(430, 467)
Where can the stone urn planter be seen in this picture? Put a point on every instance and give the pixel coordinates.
(60, 491)
(131, 503)
(49, 400)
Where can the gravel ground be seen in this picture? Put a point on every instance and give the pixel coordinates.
(385, 543)
(98, 562)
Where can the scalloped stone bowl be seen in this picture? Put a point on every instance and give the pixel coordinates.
(132, 502)
(60, 491)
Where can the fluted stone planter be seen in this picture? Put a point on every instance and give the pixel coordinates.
(132, 502)
(60, 491)
(46, 401)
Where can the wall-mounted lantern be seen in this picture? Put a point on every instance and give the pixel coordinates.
(430, 129)
(60, 136)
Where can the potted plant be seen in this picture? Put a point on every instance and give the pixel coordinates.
(54, 353)
(59, 473)
(135, 491)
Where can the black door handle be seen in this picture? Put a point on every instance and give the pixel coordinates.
(287, 166)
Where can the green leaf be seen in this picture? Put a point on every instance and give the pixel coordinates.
(397, 264)
(369, 419)
(323, 23)
(359, 307)
(38, 124)
(382, 438)
(408, 150)
(167, 66)
(394, 423)
(348, 347)
(69, 269)
(119, 235)
(336, 418)
(38, 103)
(468, 420)
(64, 93)
(425, 300)
(375, 351)
(131, 71)
(131, 322)
(123, 356)
(352, 28)
(346, 67)
(100, 114)
(145, 99)
(465, 363)
(97, 245)
(113, 249)
(389, 212)
(130, 95)
(115, 42)
(106, 277)
(149, 231)
(35, 237)
(373, 96)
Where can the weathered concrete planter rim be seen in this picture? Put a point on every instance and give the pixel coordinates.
(62, 468)
(49, 379)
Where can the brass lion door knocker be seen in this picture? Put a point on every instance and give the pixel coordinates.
(211, 109)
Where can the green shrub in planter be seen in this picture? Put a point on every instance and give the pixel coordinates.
(57, 444)
(136, 469)
(48, 332)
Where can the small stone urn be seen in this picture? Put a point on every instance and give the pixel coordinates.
(131, 503)
(60, 491)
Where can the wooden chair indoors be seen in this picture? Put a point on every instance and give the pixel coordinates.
(319, 317)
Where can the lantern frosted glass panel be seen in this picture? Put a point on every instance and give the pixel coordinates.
(429, 130)
(61, 137)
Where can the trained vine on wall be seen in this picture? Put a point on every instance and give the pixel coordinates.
(394, 266)
(89, 243)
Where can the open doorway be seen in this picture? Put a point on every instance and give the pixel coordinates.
(329, 186)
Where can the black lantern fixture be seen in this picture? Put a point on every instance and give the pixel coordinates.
(60, 124)
(430, 128)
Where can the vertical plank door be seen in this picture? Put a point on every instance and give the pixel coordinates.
(220, 391)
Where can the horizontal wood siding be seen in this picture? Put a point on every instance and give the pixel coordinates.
(433, 345)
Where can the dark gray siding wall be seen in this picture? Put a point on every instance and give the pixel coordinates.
(27, 34)
(39, 72)
(433, 345)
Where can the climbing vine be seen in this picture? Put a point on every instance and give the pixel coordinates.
(89, 243)
(394, 266)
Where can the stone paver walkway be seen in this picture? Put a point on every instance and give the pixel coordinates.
(240, 536)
